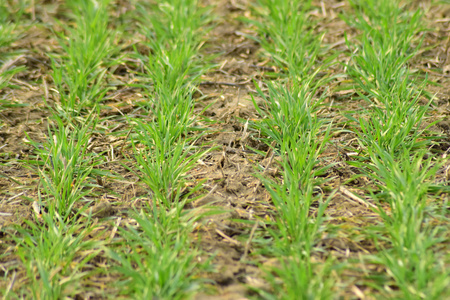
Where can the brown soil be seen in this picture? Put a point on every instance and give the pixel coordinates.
(236, 236)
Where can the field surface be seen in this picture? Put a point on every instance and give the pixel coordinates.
(229, 149)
